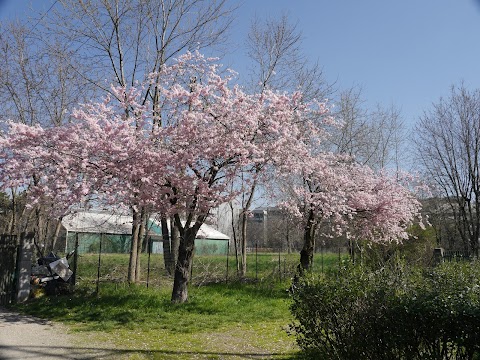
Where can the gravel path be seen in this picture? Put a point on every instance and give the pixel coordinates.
(24, 337)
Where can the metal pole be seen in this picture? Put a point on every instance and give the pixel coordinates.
(99, 262)
(321, 249)
(256, 261)
(279, 264)
(339, 258)
(75, 260)
(228, 252)
(149, 244)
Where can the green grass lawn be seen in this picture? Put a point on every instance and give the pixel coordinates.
(206, 269)
(222, 320)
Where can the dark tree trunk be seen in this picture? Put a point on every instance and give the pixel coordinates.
(168, 258)
(287, 239)
(306, 255)
(13, 224)
(184, 265)
(243, 245)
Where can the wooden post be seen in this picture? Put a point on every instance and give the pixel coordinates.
(24, 268)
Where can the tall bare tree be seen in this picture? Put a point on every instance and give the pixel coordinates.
(374, 137)
(448, 148)
(274, 46)
(36, 87)
(123, 40)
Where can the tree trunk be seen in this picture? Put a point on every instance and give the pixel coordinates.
(168, 258)
(235, 240)
(141, 235)
(13, 224)
(245, 210)
(145, 235)
(39, 235)
(306, 255)
(287, 239)
(134, 247)
(184, 265)
(243, 245)
(174, 241)
(58, 227)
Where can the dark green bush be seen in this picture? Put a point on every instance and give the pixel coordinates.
(396, 312)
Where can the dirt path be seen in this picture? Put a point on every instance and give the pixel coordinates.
(24, 337)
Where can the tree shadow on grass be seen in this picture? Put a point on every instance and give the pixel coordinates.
(86, 353)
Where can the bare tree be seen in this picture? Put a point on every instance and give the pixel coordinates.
(36, 87)
(278, 61)
(123, 40)
(374, 137)
(448, 148)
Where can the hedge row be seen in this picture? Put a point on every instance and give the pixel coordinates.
(397, 312)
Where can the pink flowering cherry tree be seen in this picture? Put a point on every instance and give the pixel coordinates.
(182, 157)
(339, 196)
(102, 158)
(181, 160)
(218, 131)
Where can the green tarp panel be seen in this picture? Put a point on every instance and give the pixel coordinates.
(90, 243)
(120, 243)
(211, 247)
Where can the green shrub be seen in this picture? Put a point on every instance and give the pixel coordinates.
(396, 312)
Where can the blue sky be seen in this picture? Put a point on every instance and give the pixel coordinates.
(407, 53)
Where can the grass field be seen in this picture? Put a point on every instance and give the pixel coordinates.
(222, 320)
(206, 269)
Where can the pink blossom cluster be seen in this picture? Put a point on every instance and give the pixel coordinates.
(181, 153)
(345, 198)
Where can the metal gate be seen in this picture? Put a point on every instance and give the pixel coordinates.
(8, 260)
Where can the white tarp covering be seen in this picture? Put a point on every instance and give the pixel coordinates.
(108, 223)
(98, 223)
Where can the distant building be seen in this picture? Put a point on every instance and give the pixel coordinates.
(271, 228)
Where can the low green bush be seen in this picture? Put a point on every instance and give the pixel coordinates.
(396, 312)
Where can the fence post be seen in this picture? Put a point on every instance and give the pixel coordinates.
(228, 253)
(24, 268)
(256, 261)
(280, 264)
(339, 258)
(75, 261)
(321, 249)
(99, 262)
